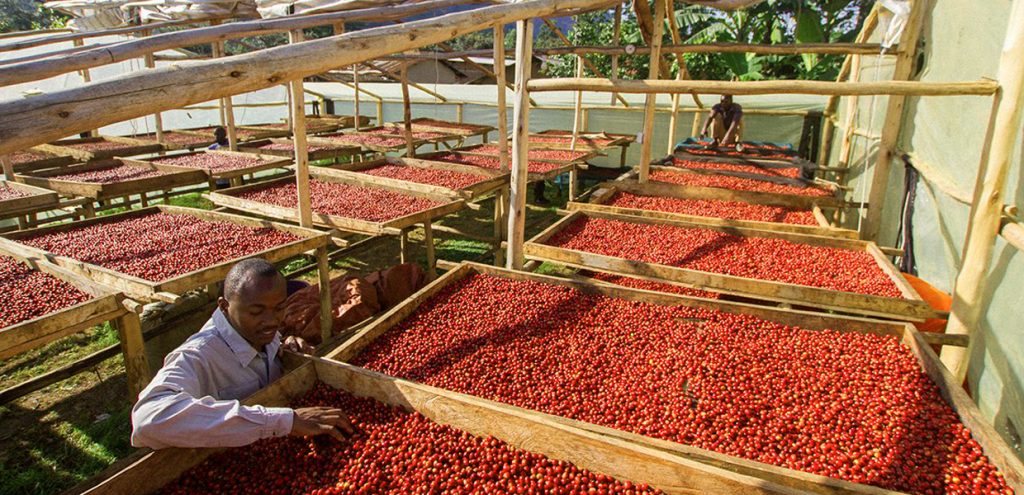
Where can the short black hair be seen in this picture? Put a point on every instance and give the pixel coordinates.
(245, 272)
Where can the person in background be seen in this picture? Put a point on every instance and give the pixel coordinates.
(725, 123)
(194, 399)
(538, 194)
(220, 136)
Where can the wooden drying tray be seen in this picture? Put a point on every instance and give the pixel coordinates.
(269, 162)
(758, 197)
(175, 177)
(763, 177)
(624, 138)
(911, 307)
(461, 128)
(259, 132)
(617, 141)
(605, 192)
(229, 198)
(587, 154)
(531, 176)
(490, 180)
(332, 139)
(37, 199)
(206, 140)
(147, 471)
(168, 290)
(131, 147)
(342, 121)
(793, 161)
(709, 464)
(399, 132)
(105, 305)
(337, 149)
(52, 161)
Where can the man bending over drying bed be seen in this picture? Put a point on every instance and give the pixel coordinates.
(725, 123)
(194, 399)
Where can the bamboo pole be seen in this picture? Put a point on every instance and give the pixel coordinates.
(593, 68)
(31, 121)
(109, 53)
(158, 119)
(904, 88)
(616, 39)
(652, 99)
(297, 118)
(226, 104)
(969, 293)
(845, 72)
(410, 148)
(905, 60)
(500, 85)
(520, 145)
(578, 107)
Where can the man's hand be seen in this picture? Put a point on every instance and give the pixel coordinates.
(297, 344)
(312, 421)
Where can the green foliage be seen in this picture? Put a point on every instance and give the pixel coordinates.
(27, 15)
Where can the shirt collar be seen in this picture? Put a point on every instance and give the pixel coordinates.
(240, 347)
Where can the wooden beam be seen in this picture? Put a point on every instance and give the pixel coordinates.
(326, 306)
(616, 39)
(905, 88)
(501, 84)
(520, 146)
(904, 69)
(297, 117)
(410, 148)
(77, 37)
(227, 108)
(970, 299)
(108, 53)
(725, 47)
(651, 104)
(593, 68)
(31, 121)
(577, 113)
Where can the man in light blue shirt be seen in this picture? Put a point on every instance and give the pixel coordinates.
(194, 399)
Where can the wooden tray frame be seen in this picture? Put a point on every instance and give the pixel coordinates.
(227, 198)
(490, 180)
(468, 130)
(607, 190)
(168, 290)
(260, 132)
(339, 149)
(565, 167)
(911, 308)
(758, 197)
(794, 481)
(270, 162)
(399, 132)
(176, 177)
(38, 199)
(328, 138)
(588, 155)
(54, 161)
(132, 147)
(169, 146)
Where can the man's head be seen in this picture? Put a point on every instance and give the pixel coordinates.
(221, 135)
(253, 299)
(726, 101)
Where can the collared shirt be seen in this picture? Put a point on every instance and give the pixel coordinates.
(735, 112)
(193, 400)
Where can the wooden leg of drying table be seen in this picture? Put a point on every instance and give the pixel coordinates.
(326, 307)
(573, 177)
(129, 329)
(428, 238)
(403, 244)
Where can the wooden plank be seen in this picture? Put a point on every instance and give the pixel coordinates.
(531, 176)
(982, 87)
(36, 198)
(172, 178)
(270, 162)
(650, 106)
(489, 179)
(335, 150)
(905, 309)
(468, 150)
(131, 147)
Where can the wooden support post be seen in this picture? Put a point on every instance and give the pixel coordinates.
(501, 84)
(86, 78)
(652, 99)
(355, 102)
(846, 72)
(904, 69)
(226, 104)
(672, 120)
(410, 148)
(129, 331)
(158, 119)
(5, 162)
(428, 241)
(574, 177)
(458, 112)
(578, 107)
(616, 39)
(969, 293)
(298, 123)
(326, 306)
(404, 247)
(520, 146)
(500, 211)
(850, 119)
